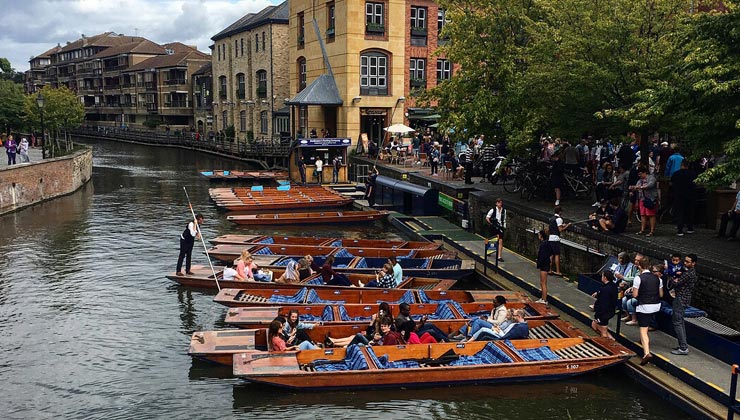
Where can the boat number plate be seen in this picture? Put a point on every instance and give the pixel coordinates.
(570, 367)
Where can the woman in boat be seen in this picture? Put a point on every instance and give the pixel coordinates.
(384, 310)
(304, 269)
(250, 270)
(277, 342)
(241, 264)
(291, 274)
(387, 336)
(383, 278)
(499, 318)
(517, 330)
(408, 330)
(606, 303)
(330, 276)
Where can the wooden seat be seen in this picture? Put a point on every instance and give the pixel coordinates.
(394, 156)
(448, 170)
(423, 159)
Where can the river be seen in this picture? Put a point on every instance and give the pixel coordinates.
(92, 329)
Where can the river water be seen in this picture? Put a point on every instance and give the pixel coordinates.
(91, 328)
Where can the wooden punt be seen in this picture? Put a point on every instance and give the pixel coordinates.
(360, 314)
(422, 365)
(265, 199)
(433, 267)
(318, 241)
(229, 175)
(226, 252)
(317, 296)
(220, 346)
(202, 277)
(308, 218)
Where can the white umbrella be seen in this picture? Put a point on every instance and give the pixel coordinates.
(399, 128)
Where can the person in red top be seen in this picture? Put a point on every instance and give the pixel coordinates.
(410, 335)
(330, 276)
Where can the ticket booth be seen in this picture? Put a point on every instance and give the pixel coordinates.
(325, 149)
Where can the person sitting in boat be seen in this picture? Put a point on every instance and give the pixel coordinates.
(252, 272)
(499, 318)
(304, 269)
(409, 333)
(330, 276)
(397, 270)
(291, 274)
(230, 273)
(517, 330)
(387, 336)
(383, 278)
(384, 310)
(424, 326)
(278, 343)
(295, 330)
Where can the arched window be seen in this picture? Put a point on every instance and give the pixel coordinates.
(374, 73)
(261, 84)
(301, 73)
(241, 86)
(222, 87)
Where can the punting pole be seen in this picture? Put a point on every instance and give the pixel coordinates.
(205, 248)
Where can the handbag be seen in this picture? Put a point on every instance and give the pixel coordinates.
(648, 203)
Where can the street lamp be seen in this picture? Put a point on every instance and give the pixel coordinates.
(40, 103)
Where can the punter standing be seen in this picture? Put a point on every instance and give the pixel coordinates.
(187, 240)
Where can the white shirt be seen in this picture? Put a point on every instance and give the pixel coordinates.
(559, 221)
(191, 228)
(650, 308)
(229, 273)
(499, 213)
(319, 165)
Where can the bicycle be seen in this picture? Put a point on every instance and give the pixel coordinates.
(579, 185)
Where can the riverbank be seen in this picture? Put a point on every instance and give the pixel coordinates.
(26, 184)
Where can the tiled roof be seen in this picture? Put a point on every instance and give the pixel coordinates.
(274, 14)
(205, 69)
(322, 91)
(48, 53)
(143, 46)
(106, 39)
(179, 47)
(171, 60)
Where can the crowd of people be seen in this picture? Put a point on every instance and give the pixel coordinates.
(16, 150)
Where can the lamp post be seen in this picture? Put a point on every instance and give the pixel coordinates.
(40, 103)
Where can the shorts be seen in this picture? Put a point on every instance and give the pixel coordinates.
(644, 211)
(543, 266)
(554, 247)
(644, 320)
(603, 319)
(556, 182)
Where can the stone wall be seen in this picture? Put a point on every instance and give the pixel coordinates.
(717, 292)
(25, 184)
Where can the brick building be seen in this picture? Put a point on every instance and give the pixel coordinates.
(249, 67)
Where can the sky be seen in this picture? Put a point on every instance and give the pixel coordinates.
(32, 27)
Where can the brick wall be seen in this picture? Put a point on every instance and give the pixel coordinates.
(27, 184)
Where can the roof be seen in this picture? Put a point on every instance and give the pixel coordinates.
(322, 91)
(47, 54)
(143, 46)
(106, 39)
(179, 47)
(205, 69)
(270, 14)
(171, 60)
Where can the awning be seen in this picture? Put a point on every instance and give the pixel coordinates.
(322, 91)
(324, 142)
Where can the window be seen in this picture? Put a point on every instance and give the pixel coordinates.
(256, 42)
(419, 19)
(301, 30)
(236, 48)
(443, 70)
(330, 20)
(242, 86)
(303, 120)
(242, 47)
(224, 120)
(373, 73)
(263, 122)
(218, 50)
(440, 21)
(263, 41)
(301, 73)
(418, 75)
(222, 87)
(242, 121)
(374, 18)
(261, 84)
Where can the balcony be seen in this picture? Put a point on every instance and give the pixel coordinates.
(330, 32)
(174, 82)
(418, 83)
(375, 28)
(418, 31)
(151, 108)
(150, 86)
(262, 92)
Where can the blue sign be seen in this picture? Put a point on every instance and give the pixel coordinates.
(324, 142)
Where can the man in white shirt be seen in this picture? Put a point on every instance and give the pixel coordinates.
(187, 240)
(496, 218)
(556, 225)
(648, 289)
(319, 170)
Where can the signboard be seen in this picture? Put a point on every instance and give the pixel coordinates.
(324, 142)
(445, 201)
(374, 111)
(452, 204)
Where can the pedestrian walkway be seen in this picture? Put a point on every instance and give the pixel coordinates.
(708, 377)
(33, 153)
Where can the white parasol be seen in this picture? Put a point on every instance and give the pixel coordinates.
(399, 128)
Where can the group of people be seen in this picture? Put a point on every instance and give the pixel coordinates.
(319, 164)
(639, 286)
(14, 148)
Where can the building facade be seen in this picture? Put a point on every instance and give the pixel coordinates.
(377, 63)
(250, 77)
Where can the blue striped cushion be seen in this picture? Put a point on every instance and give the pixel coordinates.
(284, 263)
(361, 264)
(324, 365)
(402, 364)
(458, 308)
(380, 363)
(423, 298)
(267, 241)
(343, 253)
(407, 297)
(343, 316)
(263, 251)
(327, 314)
(310, 318)
(468, 361)
(354, 359)
(337, 243)
(537, 355)
(313, 297)
(299, 297)
(491, 354)
(443, 312)
(316, 282)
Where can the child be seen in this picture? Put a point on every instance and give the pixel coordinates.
(543, 264)
(673, 270)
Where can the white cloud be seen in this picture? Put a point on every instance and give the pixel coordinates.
(40, 25)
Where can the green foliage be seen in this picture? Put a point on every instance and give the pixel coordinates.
(62, 109)
(230, 132)
(11, 105)
(151, 123)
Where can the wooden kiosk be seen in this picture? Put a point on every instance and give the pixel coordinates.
(324, 148)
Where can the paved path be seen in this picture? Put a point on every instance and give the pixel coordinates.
(33, 154)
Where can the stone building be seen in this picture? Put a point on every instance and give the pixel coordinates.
(35, 76)
(203, 99)
(376, 63)
(250, 77)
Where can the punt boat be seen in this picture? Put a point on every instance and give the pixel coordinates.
(421, 365)
(228, 175)
(202, 278)
(318, 241)
(282, 197)
(226, 252)
(308, 218)
(220, 346)
(444, 315)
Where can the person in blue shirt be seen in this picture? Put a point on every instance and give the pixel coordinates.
(673, 164)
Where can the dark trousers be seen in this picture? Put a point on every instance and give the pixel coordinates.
(433, 330)
(11, 158)
(726, 218)
(683, 211)
(468, 172)
(186, 253)
(487, 169)
(339, 280)
(678, 325)
(302, 171)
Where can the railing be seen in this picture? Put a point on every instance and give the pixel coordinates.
(150, 85)
(254, 149)
(174, 82)
(418, 31)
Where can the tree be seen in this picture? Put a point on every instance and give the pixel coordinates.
(11, 105)
(62, 110)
